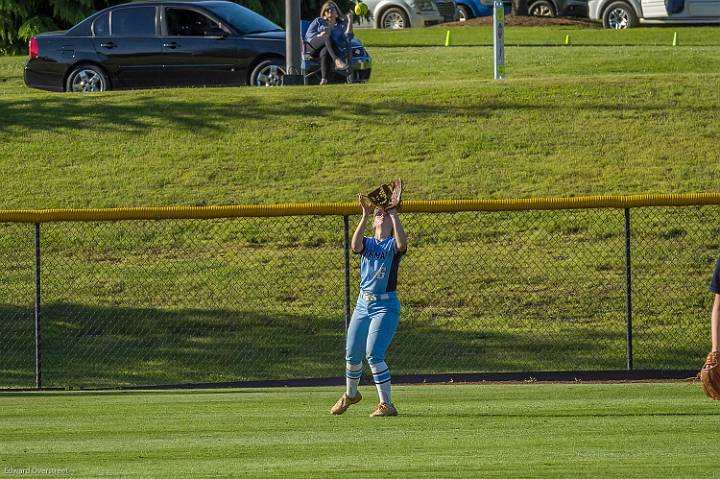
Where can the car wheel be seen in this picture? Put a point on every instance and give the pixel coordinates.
(619, 16)
(87, 78)
(394, 19)
(543, 8)
(268, 73)
(463, 13)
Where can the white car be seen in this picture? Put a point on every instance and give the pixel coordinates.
(399, 14)
(621, 14)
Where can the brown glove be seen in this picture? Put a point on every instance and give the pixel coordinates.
(387, 196)
(710, 376)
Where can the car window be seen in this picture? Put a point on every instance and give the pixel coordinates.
(244, 20)
(133, 22)
(182, 22)
(101, 25)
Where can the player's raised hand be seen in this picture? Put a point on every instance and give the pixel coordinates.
(367, 208)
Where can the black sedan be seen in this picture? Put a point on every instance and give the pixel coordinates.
(161, 44)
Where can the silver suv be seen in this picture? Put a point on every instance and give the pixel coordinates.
(620, 14)
(398, 14)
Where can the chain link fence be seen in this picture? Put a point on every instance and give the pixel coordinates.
(148, 302)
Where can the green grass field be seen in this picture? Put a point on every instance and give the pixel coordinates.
(585, 120)
(461, 431)
(580, 35)
(170, 302)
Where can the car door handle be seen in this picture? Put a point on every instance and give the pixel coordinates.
(170, 45)
(108, 45)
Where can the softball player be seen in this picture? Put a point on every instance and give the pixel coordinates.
(377, 311)
(710, 372)
(715, 312)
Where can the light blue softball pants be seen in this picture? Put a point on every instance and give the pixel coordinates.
(372, 327)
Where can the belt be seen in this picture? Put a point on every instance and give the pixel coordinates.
(373, 297)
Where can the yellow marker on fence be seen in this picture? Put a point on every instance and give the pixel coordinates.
(675, 39)
(567, 39)
(447, 39)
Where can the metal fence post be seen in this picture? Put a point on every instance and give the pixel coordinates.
(346, 247)
(628, 292)
(38, 335)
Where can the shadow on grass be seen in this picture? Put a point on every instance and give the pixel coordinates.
(90, 346)
(8, 393)
(135, 114)
(525, 414)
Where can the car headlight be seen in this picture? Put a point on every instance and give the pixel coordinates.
(357, 52)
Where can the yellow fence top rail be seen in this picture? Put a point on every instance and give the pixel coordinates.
(410, 206)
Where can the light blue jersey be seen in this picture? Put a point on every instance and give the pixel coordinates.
(379, 265)
(376, 316)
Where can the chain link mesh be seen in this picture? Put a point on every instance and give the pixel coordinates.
(17, 298)
(674, 251)
(188, 301)
(513, 292)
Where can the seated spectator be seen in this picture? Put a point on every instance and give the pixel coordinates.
(326, 35)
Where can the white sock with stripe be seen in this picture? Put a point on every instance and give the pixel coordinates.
(381, 376)
(353, 373)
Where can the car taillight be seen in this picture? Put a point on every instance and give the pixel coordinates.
(34, 48)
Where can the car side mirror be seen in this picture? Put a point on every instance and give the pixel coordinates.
(216, 32)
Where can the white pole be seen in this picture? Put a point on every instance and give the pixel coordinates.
(499, 39)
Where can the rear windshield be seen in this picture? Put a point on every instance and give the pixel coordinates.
(242, 19)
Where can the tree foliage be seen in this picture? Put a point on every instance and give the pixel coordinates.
(21, 19)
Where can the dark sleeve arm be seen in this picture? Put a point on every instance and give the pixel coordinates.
(715, 281)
